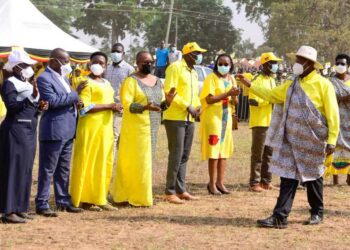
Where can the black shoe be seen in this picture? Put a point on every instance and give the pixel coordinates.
(314, 220)
(47, 212)
(273, 222)
(12, 219)
(70, 209)
(211, 192)
(222, 191)
(25, 216)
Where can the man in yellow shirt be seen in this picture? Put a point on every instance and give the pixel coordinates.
(305, 132)
(259, 122)
(179, 119)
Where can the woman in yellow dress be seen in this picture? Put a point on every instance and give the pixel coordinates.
(218, 98)
(341, 155)
(142, 97)
(93, 148)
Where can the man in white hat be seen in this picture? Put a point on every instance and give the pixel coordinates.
(305, 131)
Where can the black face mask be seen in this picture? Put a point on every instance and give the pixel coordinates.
(146, 69)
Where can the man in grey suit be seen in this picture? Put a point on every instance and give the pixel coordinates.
(57, 130)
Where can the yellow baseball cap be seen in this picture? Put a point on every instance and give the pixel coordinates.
(269, 56)
(191, 47)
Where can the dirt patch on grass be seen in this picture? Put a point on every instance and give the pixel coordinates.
(226, 222)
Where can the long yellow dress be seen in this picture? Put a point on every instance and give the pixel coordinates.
(2, 109)
(216, 119)
(93, 148)
(133, 178)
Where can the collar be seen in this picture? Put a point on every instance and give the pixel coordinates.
(58, 75)
(184, 64)
(120, 64)
(311, 75)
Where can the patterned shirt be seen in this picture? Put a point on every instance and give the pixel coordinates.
(116, 74)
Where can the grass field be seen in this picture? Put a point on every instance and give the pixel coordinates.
(226, 222)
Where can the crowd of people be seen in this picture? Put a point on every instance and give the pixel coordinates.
(109, 118)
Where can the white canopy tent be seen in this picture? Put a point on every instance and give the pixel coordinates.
(23, 25)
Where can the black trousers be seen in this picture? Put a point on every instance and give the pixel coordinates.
(288, 189)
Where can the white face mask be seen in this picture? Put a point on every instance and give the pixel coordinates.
(65, 69)
(340, 69)
(27, 72)
(116, 57)
(298, 69)
(96, 69)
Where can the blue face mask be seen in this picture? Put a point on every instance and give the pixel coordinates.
(223, 70)
(198, 58)
(274, 68)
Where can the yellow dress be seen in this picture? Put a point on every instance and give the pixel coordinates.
(133, 177)
(2, 108)
(216, 120)
(93, 148)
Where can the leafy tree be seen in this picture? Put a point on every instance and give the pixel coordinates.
(208, 22)
(113, 19)
(61, 13)
(322, 24)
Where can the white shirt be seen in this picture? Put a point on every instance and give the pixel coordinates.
(62, 80)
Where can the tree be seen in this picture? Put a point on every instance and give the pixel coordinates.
(208, 22)
(245, 49)
(61, 13)
(322, 24)
(113, 19)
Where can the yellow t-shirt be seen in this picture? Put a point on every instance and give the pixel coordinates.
(320, 91)
(185, 80)
(260, 116)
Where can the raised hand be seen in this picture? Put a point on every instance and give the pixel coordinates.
(35, 88)
(169, 97)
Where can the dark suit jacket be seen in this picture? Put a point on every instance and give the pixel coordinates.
(59, 121)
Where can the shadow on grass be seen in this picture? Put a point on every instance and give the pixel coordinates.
(327, 212)
(189, 220)
(200, 188)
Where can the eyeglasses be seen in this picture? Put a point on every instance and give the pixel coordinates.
(224, 64)
(340, 63)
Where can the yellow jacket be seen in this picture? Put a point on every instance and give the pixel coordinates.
(185, 80)
(260, 116)
(318, 89)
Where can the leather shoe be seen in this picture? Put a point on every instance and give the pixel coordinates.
(314, 220)
(273, 222)
(25, 216)
(256, 188)
(46, 212)
(187, 196)
(70, 209)
(173, 199)
(12, 219)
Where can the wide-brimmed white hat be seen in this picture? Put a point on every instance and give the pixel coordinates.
(18, 56)
(307, 52)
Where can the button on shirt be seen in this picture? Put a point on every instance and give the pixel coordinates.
(116, 74)
(185, 80)
(260, 116)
